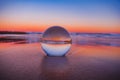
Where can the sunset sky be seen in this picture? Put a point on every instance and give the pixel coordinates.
(74, 15)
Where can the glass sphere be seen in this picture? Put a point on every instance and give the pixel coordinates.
(56, 41)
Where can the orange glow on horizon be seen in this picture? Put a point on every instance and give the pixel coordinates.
(42, 29)
(70, 28)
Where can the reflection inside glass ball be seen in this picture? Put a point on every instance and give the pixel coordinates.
(56, 41)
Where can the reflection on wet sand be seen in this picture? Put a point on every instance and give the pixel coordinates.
(54, 68)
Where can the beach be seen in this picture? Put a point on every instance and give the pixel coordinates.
(23, 60)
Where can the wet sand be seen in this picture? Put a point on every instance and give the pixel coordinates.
(29, 62)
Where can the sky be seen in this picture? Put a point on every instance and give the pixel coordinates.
(95, 16)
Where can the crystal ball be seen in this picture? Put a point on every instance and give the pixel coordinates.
(56, 41)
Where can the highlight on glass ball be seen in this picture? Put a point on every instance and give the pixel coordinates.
(56, 41)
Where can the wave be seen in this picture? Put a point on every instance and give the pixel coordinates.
(90, 39)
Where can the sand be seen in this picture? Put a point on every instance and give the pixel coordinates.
(29, 62)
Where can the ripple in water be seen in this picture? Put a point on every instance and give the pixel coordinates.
(56, 41)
